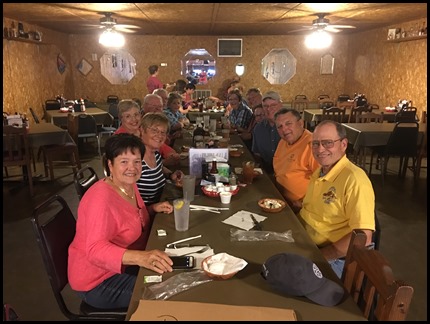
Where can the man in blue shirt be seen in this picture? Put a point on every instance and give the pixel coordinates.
(265, 136)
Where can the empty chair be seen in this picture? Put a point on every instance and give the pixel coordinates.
(373, 106)
(16, 152)
(402, 143)
(106, 128)
(334, 113)
(87, 128)
(84, 179)
(300, 104)
(54, 226)
(356, 111)
(60, 155)
(325, 103)
(323, 96)
(368, 277)
(408, 114)
(52, 104)
(112, 99)
(113, 110)
(36, 119)
(370, 117)
(300, 97)
(343, 97)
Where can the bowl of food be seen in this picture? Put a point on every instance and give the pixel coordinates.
(222, 266)
(235, 152)
(271, 205)
(214, 191)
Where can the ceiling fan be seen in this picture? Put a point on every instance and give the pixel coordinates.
(110, 23)
(322, 23)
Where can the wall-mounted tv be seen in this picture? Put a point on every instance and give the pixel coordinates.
(229, 47)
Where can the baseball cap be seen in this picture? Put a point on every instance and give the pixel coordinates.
(296, 275)
(272, 95)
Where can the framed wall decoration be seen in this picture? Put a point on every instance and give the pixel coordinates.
(84, 67)
(61, 65)
(327, 64)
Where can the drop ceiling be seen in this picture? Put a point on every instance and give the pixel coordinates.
(221, 19)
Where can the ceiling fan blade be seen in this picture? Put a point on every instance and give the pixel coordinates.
(342, 26)
(126, 28)
(332, 29)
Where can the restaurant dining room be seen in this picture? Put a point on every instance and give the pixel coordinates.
(72, 74)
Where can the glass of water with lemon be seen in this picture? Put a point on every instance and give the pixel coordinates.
(181, 209)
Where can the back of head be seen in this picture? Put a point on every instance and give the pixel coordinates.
(152, 69)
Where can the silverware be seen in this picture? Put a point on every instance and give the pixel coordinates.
(257, 225)
(171, 245)
(203, 249)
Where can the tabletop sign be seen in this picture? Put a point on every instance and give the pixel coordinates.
(197, 156)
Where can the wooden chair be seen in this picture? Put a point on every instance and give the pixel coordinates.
(16, 152)
(356, 111)
(325, 103)
(54, 156)
(342, 97)
(373, 106)
(368, 277)
(334, 113)
(36, 119)
(84, 179)
(300, 104)
(55, 226)
(300, 97)
(370, 117)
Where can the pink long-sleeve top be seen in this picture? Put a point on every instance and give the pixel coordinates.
(106, 227)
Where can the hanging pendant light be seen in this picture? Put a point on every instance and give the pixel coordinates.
(318, 39)
(111, 38)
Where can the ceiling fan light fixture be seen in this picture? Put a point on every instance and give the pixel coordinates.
(318, 39)
(111, 38)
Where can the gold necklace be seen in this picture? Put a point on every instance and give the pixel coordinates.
(122, 189)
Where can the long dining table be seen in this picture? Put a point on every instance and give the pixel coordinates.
(247, 287)
(60, 118)
(364, 135)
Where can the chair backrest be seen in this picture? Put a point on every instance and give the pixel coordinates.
(300, 96)
(325, 103)
(408, 114)
(16, 150)
(370, 117)
(424, 117)
(403, 140)
(343, 97)
(334, 113)
(87, 125)
(300, 104)
(36, 119)
(323, 96)
(112, 99)
(113, 110)
(52, 104)
(54, 226)
(373, 106)
(356, 111)
(368, 277)
(84, 179)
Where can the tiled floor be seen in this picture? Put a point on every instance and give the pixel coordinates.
(402, 212)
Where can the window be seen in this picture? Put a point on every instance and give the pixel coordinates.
(229, 47)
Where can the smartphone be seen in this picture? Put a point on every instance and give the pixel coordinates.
(183, 262)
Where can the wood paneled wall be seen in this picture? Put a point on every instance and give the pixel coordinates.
(364, 62)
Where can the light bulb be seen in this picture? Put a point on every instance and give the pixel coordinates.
(111, 38)
(318, 39)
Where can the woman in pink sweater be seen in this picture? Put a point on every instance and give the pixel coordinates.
(112, 230)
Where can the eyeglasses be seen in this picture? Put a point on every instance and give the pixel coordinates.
(155, 131)
(273, 105)
(328, 144)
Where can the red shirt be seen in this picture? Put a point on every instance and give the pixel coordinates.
(153, 83)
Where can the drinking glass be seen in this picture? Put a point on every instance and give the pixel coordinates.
(181, 210)
(248, 171)
(188, 187)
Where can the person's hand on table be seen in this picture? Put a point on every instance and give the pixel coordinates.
(163, 207)
(155, 260)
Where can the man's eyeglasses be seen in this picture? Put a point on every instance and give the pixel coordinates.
(274, 105)
(328, 144)
(155, 131)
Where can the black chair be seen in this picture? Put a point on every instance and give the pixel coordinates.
(112, 99)
(106, 128)
(36, 119)
(84, 179)
(113, 110)
(407, 115)
(52, 104)
(87, 128)
(402, 143)
(54, 226)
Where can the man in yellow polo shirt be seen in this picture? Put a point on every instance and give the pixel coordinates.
(293, 161)
(339, 198)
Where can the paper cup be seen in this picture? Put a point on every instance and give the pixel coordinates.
(225, 197)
